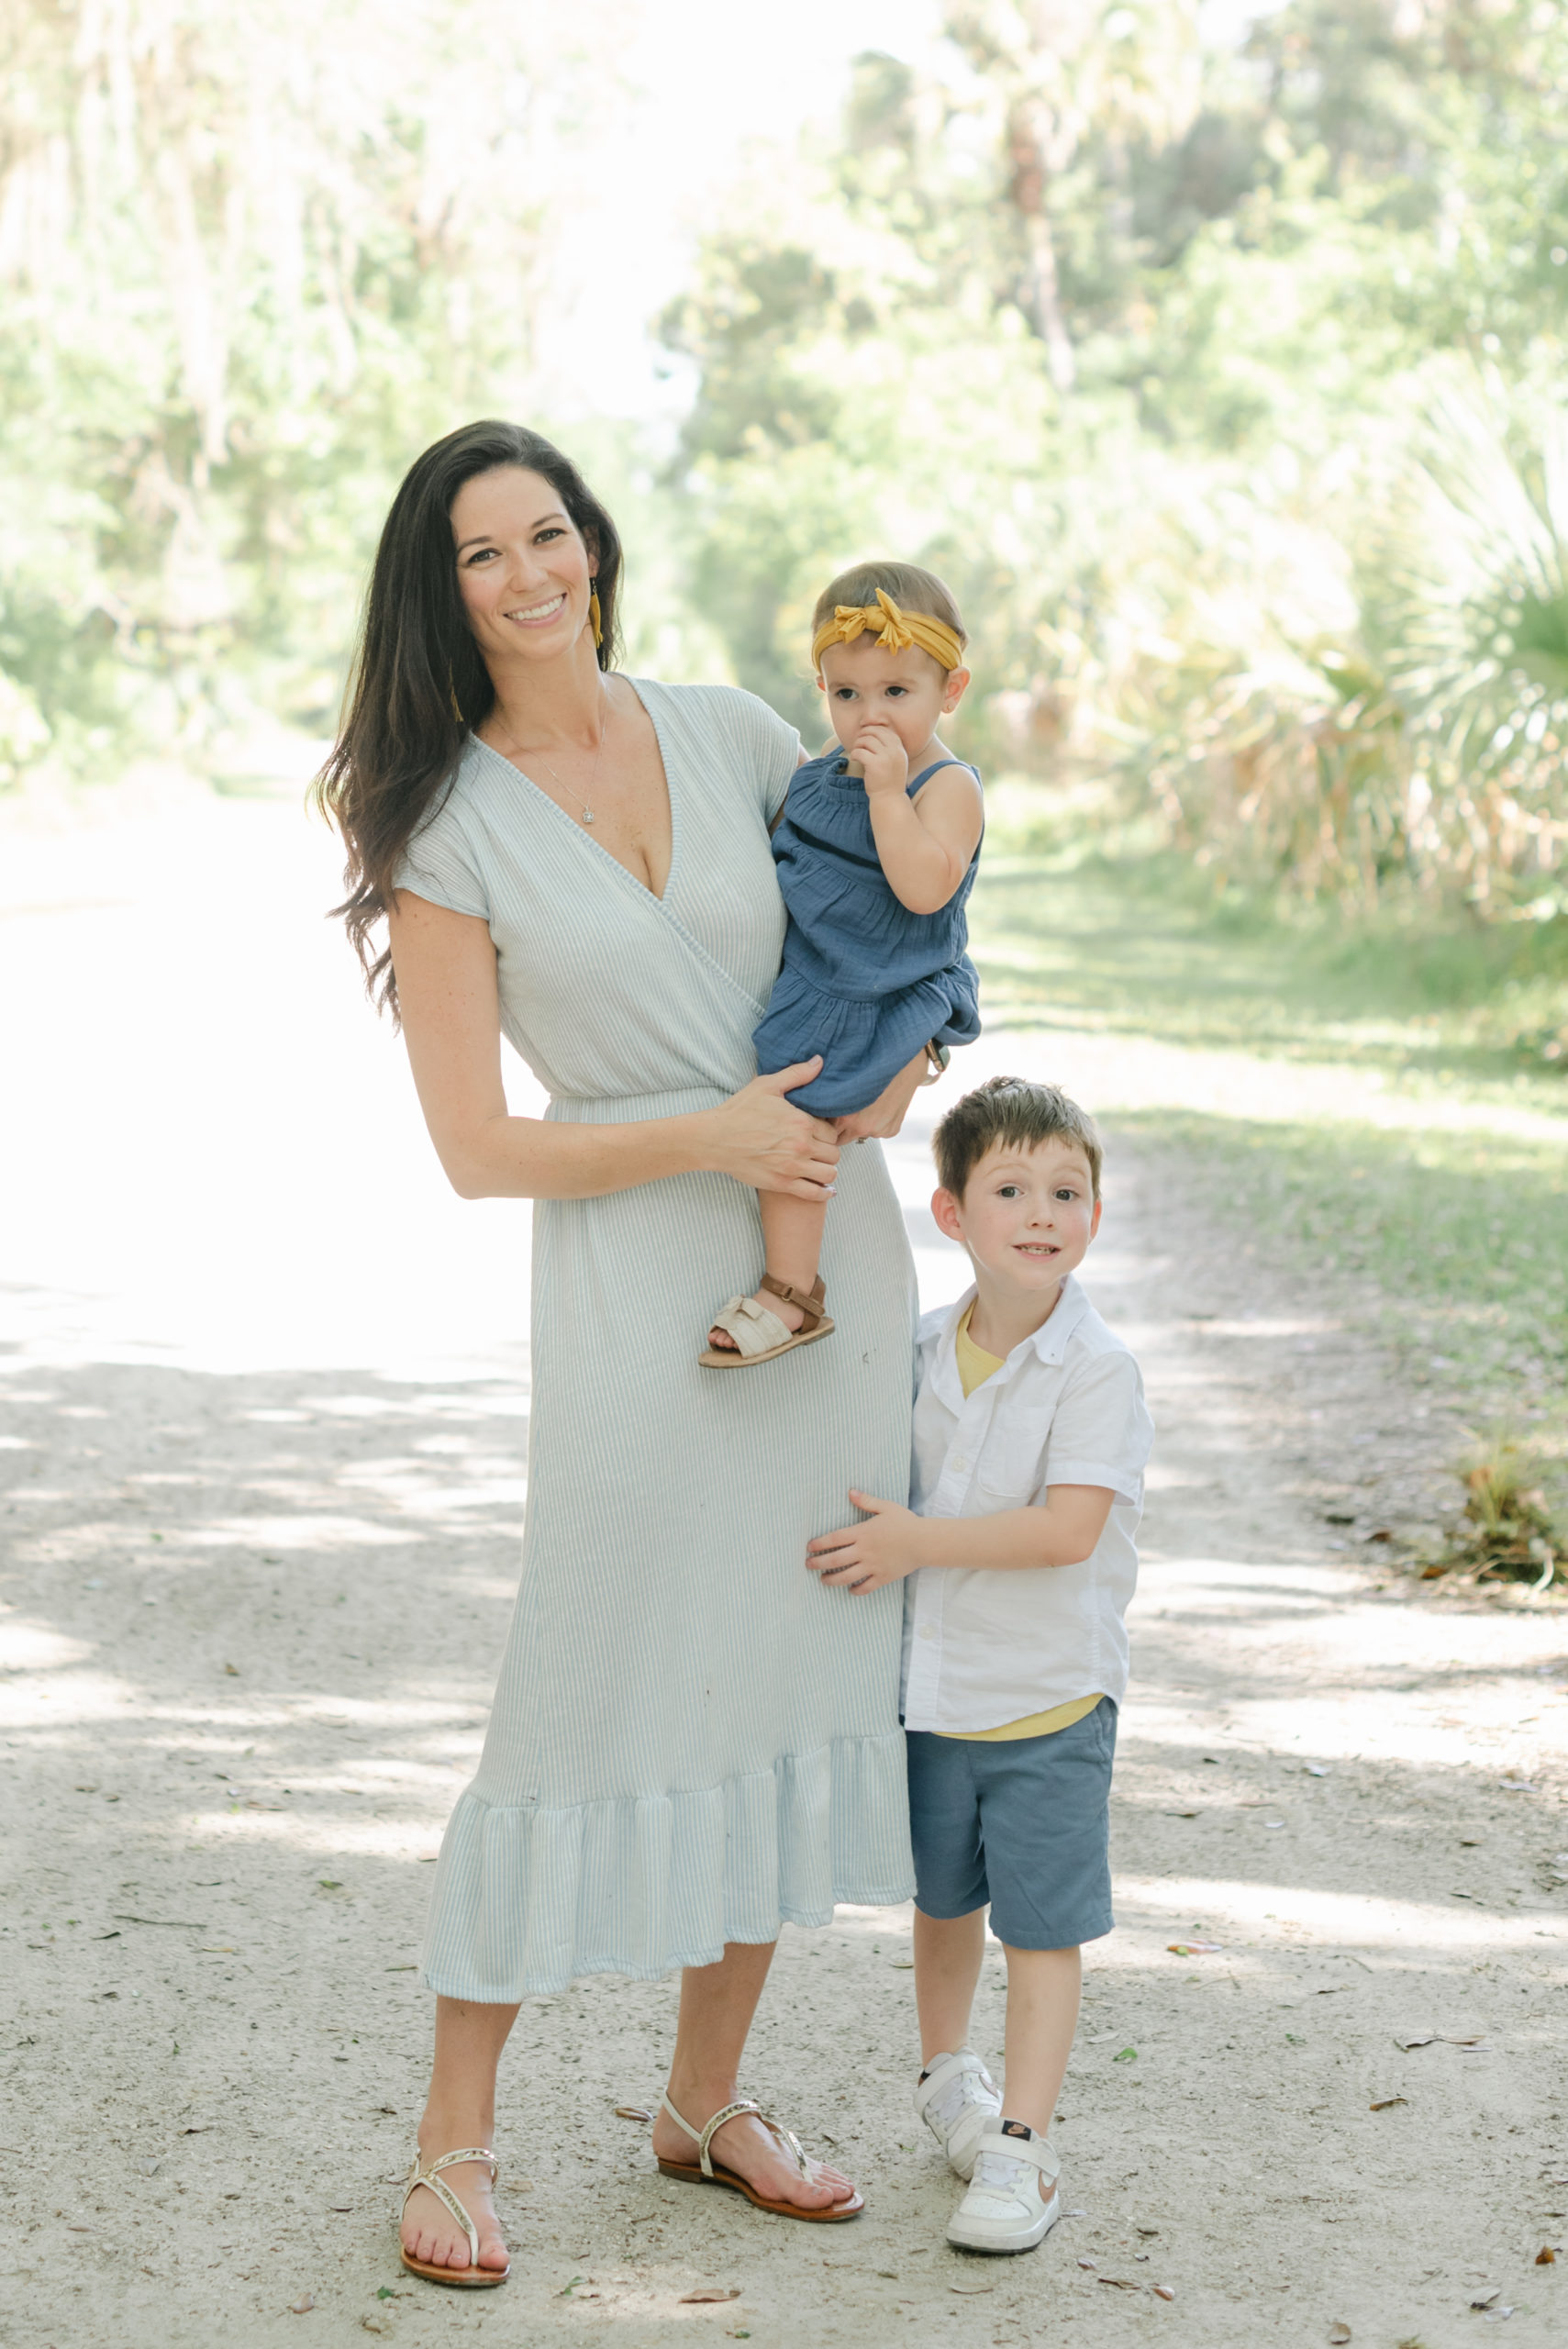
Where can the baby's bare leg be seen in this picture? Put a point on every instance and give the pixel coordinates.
(792, 1250)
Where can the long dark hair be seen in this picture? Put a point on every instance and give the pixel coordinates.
(418, 667)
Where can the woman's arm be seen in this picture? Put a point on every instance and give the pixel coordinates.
(883, 1117)
(451, 1021)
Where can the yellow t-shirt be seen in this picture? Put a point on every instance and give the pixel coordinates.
(974, 1367)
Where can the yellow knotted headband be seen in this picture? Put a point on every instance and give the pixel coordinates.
(894, 629)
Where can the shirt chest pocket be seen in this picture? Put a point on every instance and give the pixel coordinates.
(1008, 1475)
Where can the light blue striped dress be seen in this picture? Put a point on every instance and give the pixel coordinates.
(692, 1740)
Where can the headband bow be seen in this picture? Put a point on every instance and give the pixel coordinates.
(894, 629)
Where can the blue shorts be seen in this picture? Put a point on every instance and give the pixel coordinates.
(1023, 1823)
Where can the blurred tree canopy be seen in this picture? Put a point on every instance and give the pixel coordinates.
(254, 253)
(1224, 380)
(1224, 385)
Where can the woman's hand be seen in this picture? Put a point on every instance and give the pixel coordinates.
(862, 1557)
(881, 1120)
(768, 1144)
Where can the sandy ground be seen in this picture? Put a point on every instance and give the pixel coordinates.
(266, 1415)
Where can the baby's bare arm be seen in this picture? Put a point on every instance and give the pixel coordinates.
(924, 845)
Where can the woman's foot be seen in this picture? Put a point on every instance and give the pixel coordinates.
(429, 2232)
(752, 2152)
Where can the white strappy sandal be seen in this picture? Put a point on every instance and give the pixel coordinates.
(704, 2171)
(472, 2277)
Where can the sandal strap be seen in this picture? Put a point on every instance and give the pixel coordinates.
(813, 1302)
(754, 1330)
(703, 2138)
(431, 2178)
(726, 2112)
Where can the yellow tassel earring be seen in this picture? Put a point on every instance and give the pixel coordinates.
(593, 614)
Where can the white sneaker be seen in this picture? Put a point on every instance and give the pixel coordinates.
(1012, 2200)
(958, 2101)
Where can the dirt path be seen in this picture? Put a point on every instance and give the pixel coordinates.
(259, 1544)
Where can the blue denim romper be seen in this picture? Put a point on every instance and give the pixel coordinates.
(865, 982)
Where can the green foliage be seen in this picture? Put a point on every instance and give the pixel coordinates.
(1224, 388)
(251, 259)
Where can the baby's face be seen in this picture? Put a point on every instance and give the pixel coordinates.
(908, 690)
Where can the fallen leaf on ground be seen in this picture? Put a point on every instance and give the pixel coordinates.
(970, 2288)
(1423, 2039)
(710, 2292)
(303, 2306)
(1195, 1949)
(1121, 2283)
(1127, 2056)
(1087, 2263)
(1163, 2292)
(1383, 2103)
(1545, 2256)
(632, 2112)
(1517, 1786)
(1485, 2299)
(1339, 2334)
(1179, 1814)
(1315, 1770)
(1449, 2040)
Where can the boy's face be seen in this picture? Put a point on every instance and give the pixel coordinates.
(1027, 1216)
(907, 690)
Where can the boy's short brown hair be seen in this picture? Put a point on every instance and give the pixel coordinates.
(915, 590)
(1010, 1109)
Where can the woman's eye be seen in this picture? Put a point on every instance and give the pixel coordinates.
(481, 554)
(553, 531)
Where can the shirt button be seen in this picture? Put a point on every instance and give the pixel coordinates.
(960, 1463)
(927, 1633)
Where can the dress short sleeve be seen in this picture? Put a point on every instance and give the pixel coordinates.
(439, 863)
(767, 745)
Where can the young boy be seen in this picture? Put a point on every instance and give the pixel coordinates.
(1030, 1440)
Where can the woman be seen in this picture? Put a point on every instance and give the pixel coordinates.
(691, 1739)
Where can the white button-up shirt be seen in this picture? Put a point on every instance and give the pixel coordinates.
(983, 1646)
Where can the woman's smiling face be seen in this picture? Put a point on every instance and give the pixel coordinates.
(522, 566)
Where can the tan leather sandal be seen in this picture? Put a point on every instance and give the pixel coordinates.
(705, 2171)
(472, 2277)
(760, 1335)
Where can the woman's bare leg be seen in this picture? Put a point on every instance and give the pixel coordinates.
(718, 2003)
(792, 1250)
(460, 2111)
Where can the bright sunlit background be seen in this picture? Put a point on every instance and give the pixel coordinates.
(1214, 352)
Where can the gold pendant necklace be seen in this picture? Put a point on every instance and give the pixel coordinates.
(588, 816)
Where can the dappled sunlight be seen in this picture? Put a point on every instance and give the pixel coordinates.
(1347, 1920)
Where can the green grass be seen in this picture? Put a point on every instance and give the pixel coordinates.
(1074, 940)
(1452, 1241)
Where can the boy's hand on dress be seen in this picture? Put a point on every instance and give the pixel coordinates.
(863, 1557)
(884, 758)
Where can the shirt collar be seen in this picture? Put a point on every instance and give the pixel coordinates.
(1048, 1343)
